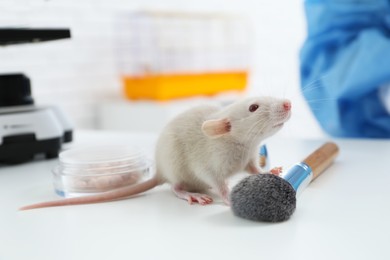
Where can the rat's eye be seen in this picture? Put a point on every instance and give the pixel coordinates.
(253, 107)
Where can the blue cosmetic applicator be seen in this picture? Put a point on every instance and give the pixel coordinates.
(266, 197)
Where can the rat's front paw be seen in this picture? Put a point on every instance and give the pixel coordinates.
(276, 171)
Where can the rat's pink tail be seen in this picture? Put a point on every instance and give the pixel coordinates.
(106, 196)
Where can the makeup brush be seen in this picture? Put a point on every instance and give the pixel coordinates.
(266, 197)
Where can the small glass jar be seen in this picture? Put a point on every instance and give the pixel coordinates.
(96, 169)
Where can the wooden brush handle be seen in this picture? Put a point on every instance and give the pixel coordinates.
(321, 158)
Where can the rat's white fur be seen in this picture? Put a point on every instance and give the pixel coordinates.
(186, 156)
(202, 147)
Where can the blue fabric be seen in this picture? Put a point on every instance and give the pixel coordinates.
(344, 61)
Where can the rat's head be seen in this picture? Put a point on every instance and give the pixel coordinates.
(249, 119)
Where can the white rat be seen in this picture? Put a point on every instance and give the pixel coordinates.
(202, 147)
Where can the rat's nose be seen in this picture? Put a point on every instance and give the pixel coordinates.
(287, 105)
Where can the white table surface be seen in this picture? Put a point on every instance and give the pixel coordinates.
(344, 214)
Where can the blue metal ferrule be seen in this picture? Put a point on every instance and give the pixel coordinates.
(299, 176)
(263, 154)
(263, 151)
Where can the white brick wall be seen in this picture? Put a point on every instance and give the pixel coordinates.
(80, 73)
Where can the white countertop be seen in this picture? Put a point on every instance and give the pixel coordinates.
(344, 214)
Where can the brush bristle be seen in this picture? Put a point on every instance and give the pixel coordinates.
(263, 197)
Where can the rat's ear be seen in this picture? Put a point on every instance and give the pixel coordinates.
(216, 128)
